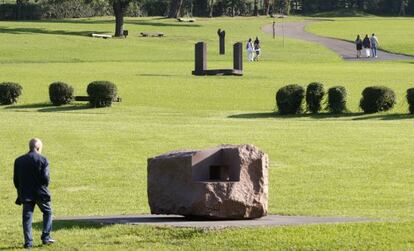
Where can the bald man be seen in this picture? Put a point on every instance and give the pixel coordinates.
(31, 179)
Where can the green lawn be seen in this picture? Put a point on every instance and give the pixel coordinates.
(355, 165)
(394, 34)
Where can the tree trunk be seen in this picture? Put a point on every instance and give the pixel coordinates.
(119, 11)
(360, 4)
(175, 8)
(211, 8)
(256, 9)
(267, 7)
(402, 7)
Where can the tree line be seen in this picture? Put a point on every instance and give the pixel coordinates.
(209, 8)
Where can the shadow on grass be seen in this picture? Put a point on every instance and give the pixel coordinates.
(161, 24)
(157, 75)
(148, 22)
(71, 224)
(44, 31)
(46, 107)
(396, 116)
(354, 116)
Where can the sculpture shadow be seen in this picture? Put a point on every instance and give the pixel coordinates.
(46, 107)
(103, 221)
(44, 31)
(160, 24)
(353, 116)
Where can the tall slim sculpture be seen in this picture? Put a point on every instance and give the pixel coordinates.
(238, 57)
(200, 58)
(222, 38)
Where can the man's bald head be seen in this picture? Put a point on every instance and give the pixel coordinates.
(35, 145)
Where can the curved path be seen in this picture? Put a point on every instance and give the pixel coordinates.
(343, 48)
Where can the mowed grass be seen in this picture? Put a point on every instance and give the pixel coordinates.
(354, 165)
(394, 34)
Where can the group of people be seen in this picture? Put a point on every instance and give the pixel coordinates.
(253, 49)
(370, 44)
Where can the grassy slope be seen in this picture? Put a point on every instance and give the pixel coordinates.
(348, 166)
(394, 34)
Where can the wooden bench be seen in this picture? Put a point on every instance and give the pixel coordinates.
(152, 34)
(186, 20)
(86, 99)
(104, 36)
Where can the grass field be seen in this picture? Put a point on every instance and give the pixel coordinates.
(395, 34)
(353, 165)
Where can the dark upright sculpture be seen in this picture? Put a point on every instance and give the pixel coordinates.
(238, 57)
(222, 36)
(200, 58)
(201, 62)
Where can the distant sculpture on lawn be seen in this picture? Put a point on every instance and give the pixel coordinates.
(201, 61)
(222, 42)
(225, 182)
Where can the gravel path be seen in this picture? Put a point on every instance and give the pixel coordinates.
(179, 221)
(345, 49)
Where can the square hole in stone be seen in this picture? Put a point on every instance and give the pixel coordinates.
(219, 173)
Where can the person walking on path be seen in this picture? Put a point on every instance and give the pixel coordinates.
(250, 50)
(31, 179)
(367, 46)
(358, 43)
(257, 49)
(374, 45)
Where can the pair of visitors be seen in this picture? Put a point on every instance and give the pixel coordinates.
(370, 44)
(253, 49)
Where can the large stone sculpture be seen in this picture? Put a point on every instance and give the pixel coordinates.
(226, 182)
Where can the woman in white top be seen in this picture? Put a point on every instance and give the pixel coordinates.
(250, 50)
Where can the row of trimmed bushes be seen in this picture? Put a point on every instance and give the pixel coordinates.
(101, 93)
(289, 99)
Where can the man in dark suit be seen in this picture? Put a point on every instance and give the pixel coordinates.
(31, 179)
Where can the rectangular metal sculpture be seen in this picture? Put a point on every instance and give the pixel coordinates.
(200, 58)
(201, 62)
(238, 57)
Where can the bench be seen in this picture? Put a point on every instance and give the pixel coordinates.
(152, 34)
(86, 99)
(186, 20)
(104, 36)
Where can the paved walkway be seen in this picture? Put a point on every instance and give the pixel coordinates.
(345, 49)
(179, 221)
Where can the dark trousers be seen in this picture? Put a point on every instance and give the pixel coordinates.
(28, 209)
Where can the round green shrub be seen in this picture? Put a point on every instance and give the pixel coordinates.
(102, 93)
(289, 99)
(314, 95)
(377, 99)
(60, 93)
(410, 99)
(9, 93)
(337, 100)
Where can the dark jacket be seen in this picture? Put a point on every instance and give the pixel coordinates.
(366, 43)
(358, 43)
(31, 178)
